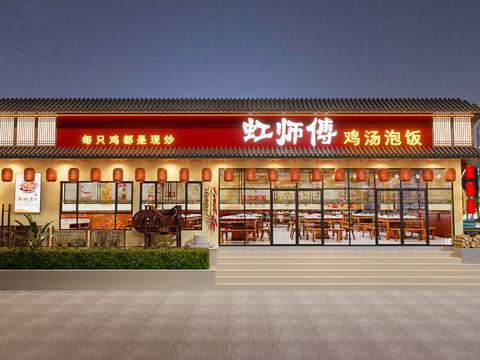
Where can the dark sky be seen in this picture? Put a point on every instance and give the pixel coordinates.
(240, 49)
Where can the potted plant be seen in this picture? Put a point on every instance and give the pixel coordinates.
(34, 237)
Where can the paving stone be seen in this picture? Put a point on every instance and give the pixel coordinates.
(239, 325)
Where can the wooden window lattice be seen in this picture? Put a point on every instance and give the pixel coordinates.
(462, 131)
(7, 130)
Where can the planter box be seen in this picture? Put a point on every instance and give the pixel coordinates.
(107, 279)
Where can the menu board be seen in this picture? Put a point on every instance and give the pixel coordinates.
(27, 194)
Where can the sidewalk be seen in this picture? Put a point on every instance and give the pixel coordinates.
(239, 325)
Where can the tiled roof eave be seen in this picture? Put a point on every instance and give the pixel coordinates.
(12, 153)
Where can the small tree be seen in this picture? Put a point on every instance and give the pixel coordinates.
(37, 237)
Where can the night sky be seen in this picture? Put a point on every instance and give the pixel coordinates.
(240, 49)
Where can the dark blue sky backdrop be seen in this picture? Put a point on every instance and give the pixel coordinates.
(240, 49)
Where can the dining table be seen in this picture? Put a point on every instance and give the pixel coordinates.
(310, 222)
(237, 224)
(389, 220)
(362, 219)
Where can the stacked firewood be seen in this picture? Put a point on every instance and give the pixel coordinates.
(465, 241)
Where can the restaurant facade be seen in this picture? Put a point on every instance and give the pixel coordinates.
(245, 172)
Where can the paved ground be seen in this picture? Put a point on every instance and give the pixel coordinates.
(239, 325)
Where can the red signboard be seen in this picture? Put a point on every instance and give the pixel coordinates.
(139, 130)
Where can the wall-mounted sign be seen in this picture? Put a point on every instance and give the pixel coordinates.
(27, 194)
(135, 130)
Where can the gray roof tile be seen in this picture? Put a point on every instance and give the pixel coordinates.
(236, 105)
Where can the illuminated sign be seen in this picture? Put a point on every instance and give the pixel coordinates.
(140, 140)
(322, 130)
(243, 131)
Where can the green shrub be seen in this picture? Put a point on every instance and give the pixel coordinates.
(72, 258)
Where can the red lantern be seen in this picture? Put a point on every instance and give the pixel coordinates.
(118, 174)
(405, 175)
(471, 206)
(7, 174)
(427, 174)
(470, 188)
(73, 174)
(317, 175)
(184, 174)
(228, 175)
(469, 172)
(383, 175)
(140, 175)
(450, 175)
(29, 174)
(272, 175)
(162, 175)
(361, 175)
(51, 175)
(339, 174)
(207, 174)
(294, 175)
(95, 175)
(250, 174)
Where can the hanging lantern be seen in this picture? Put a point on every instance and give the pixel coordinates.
(361, 175)
(228, 175)
(118, 174)
(469, 172)
(470, 188)
(383, 175)
(162, 175)
(73, 174)
(339, 174)
(294, 175)
(272, 175)
(207, 174)
(317, 175)
(95, 175)
(184, 174)
(250, 174)
(471, 206)
(450, 175)
(29, 174)
(427, 174)
(7, 174)
(51, 175)
(405, 175)
(140, 175)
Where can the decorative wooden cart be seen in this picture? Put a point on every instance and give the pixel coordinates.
(159, 222)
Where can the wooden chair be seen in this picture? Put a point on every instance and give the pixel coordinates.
(395, 230)
(415, 227)
(370, 228)
(348, 227)
(266, 229)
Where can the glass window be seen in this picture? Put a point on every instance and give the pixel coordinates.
(329, 179)
(284, 179)
(393, 180)
(368, 184)
(261, 180)
(96, 205)
(338, 212)
(164, 196)
(440, 216)
(439, 180)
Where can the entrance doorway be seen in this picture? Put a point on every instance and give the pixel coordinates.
(401, 217)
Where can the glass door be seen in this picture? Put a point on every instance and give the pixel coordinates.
(283, 221)
(388, 221)
(415, 221)
(310, 210)
(401, 217)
